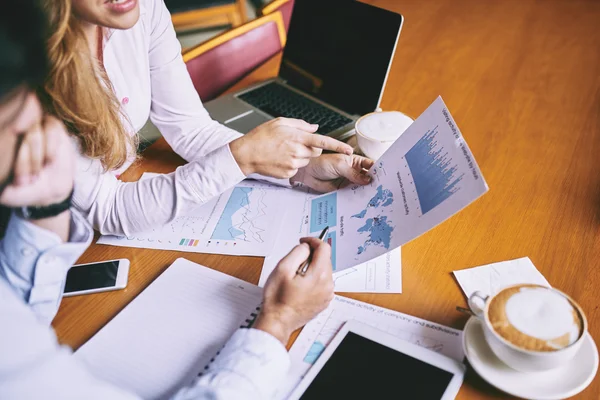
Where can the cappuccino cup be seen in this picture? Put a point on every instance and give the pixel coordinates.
(377, 131)
(530, 327)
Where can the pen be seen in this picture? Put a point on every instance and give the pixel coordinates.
(304, 267)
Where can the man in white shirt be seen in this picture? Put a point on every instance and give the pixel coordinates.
(45, 237)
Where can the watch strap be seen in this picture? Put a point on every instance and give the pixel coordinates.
(41, 212)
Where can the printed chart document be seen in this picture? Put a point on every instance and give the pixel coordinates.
(170, 332)
(490, 279)
(318, 333)
(425, 177)
(382, 274)
(244, 220)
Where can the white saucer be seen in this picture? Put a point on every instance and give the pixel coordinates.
(559, 383)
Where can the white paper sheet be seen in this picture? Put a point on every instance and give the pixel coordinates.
(425, 177)
(318, 333)
(380, 275)
(491, 278)
(242, 221)
(167, 334)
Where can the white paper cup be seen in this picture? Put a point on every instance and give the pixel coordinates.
(377, 131)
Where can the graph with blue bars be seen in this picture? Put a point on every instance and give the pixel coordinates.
(433, 172)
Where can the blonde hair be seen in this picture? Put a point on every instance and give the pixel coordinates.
(79, 92)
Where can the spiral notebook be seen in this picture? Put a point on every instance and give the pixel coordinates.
(170, 333)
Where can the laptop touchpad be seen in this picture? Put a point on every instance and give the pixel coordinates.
(246, 122)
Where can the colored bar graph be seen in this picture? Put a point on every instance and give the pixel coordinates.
(432, 170)
(330, 239)
(189, 242)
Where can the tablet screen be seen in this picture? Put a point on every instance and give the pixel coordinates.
(362, 368)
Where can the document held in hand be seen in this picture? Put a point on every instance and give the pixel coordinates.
(425, 177)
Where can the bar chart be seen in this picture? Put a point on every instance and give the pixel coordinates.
(433, 171)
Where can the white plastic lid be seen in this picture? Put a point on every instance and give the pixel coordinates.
(384, 126)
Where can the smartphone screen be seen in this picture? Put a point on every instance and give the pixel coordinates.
(92, 276)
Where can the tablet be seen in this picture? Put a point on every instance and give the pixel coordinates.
(364, 362)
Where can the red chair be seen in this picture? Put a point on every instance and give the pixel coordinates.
(219, 63)
(283, 6)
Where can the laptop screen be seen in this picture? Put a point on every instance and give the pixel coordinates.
(339, 51)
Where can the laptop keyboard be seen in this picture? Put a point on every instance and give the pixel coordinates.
(278, 101)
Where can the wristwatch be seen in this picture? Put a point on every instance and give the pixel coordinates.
(42, 212)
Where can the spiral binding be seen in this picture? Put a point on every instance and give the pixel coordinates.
(248, 324)
(250, 321)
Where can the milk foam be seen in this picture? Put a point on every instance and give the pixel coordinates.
(384, 126)
(542, 313)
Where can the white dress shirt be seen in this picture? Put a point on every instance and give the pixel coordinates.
(33, 267)
(150, 79)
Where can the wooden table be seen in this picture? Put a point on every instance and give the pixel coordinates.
(522, 79)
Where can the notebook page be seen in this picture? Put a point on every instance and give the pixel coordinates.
(167, 334)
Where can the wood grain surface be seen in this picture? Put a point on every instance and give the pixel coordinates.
(522, 81)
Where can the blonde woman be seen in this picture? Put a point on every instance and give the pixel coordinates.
(117, 62)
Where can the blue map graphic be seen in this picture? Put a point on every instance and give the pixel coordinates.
(378, 227)
(383, 198)
(380, 233)
(239, 202)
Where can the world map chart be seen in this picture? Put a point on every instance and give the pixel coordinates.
(378, 227)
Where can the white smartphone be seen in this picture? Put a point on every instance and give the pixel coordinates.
(96, 277)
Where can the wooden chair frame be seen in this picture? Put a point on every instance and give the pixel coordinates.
(229, 14)
(272, 6)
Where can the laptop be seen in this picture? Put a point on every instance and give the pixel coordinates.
(333, 70)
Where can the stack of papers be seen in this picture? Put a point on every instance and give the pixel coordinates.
(425, 177)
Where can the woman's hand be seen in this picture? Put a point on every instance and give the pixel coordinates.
(333, 171)
(280, 147)
(291, 300)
